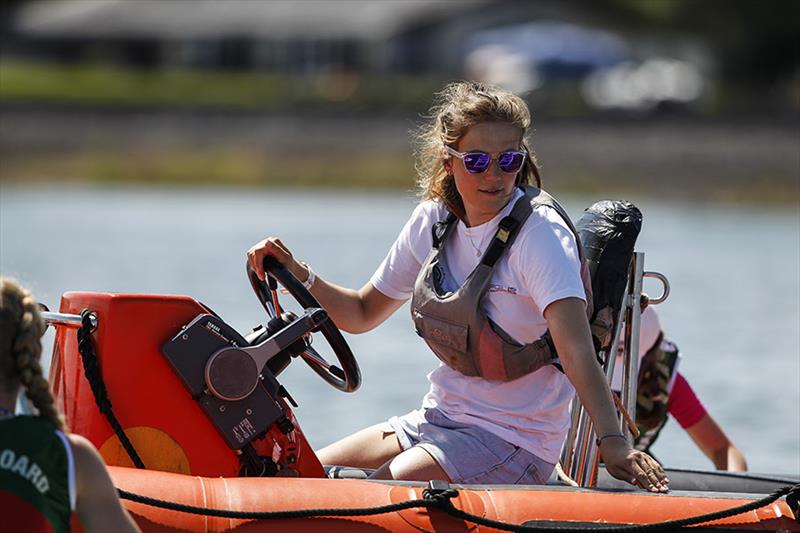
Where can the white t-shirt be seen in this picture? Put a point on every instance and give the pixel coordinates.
(541, 267)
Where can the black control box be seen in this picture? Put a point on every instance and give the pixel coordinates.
(237, 421)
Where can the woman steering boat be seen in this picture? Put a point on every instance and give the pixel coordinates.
(494, 273)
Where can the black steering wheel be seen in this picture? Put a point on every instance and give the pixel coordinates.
(348, 377)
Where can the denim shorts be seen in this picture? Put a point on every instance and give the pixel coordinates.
(467, 454)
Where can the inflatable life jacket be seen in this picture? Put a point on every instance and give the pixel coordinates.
(656, 373)
(455, 325)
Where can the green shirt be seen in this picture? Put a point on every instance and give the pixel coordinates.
(36, 476)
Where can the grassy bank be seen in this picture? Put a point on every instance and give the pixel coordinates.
(232, 167)
(224, 167)
(27, 82)
(108, 126)
(98, 85)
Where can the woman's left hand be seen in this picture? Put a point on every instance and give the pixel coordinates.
(637, 468)
(566, 320)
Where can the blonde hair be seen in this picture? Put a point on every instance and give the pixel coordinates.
(21, 329)
(456, 108)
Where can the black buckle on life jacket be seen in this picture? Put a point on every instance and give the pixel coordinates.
(555, 361)
(506, 227)
(505, 230)
(439, 229)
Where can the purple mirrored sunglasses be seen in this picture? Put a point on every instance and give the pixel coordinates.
(478, 162)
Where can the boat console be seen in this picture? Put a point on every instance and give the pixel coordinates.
(192, 394)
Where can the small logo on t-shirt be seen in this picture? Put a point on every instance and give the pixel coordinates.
(501, 288)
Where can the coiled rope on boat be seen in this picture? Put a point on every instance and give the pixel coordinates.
(438, 495)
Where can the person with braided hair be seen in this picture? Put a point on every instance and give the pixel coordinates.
(45, 474)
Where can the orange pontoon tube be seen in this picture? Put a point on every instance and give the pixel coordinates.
(541, 506)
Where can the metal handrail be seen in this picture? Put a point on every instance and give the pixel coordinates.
(633, 314)
(66, 319)
(663, 279)
(591, 460)
(580, 455)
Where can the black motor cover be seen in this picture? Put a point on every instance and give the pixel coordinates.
(608, 230)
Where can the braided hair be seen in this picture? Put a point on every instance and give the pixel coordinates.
(21, 329)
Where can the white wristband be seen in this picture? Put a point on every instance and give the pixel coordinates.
(311, 276)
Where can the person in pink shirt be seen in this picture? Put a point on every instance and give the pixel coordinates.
(664, 391)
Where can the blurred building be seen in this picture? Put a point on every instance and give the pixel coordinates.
(281, 35)
(530, 47)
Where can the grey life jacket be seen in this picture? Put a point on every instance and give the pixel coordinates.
(455, 325)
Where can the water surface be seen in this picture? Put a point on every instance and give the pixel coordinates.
(734, 308)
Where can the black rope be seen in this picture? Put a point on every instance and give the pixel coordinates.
(429, 501)
(793, 501)
(669, 525)
(440, 499)
(91, 368)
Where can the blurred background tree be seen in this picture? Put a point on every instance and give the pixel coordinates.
(756, 42)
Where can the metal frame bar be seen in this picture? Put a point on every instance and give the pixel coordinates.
(580, 455)
(68, 320)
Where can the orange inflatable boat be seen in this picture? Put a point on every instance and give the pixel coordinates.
(201, 435)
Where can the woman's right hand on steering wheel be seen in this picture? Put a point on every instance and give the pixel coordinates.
(272, 246)
(292, 275)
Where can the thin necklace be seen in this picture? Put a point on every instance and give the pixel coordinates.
(476, 248)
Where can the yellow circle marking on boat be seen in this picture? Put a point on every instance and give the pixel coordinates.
(158, 450)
